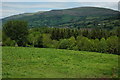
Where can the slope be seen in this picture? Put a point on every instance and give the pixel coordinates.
(21, 62)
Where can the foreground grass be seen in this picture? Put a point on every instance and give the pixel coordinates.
(21, 62)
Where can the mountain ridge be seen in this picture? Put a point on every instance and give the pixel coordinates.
(62, 17)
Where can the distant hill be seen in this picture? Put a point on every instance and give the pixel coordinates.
(74, 17)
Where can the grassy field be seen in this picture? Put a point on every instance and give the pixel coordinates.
(21, 62)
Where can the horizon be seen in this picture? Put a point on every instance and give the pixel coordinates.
(16, 8)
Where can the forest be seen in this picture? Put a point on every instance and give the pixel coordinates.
(17, 33)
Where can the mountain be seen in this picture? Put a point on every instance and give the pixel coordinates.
(73, 17)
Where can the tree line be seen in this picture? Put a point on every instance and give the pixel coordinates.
(17, 33)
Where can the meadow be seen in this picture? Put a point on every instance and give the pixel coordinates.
(23, 62)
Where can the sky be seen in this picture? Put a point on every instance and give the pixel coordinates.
(60, 0)
(13, 7)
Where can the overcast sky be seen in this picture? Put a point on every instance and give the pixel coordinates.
(59, 0)
(9, 7)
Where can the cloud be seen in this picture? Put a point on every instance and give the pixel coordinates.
(60, 0)
(0, 10)
(6, 13)
(33, 5)
(111, 5)
(55, 5)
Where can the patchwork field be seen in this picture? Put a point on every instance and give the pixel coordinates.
(23, 62)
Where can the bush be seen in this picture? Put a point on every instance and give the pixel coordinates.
(6, 41)
(9, 42)
(54, 44)
(75, 48)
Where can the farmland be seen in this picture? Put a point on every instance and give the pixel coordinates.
(22, 62)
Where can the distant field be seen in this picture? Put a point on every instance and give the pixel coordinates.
(21, 62)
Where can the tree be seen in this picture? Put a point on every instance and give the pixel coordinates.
(64, 44)
(6, 41)
(72, 42)
(113, 45)
(96, 45)
(102, 47)
(16, 30)
(47, 41)
(35, 38)
(84, 43)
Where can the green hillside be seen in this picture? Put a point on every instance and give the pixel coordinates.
(21, 62)
(80, 17)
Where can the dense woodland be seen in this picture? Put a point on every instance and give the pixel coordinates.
(17, 33)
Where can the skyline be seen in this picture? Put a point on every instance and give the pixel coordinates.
(14, 8)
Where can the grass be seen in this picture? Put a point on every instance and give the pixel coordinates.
(21, 62)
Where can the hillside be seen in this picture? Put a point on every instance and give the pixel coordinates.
(21, 62)
(73, 17)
